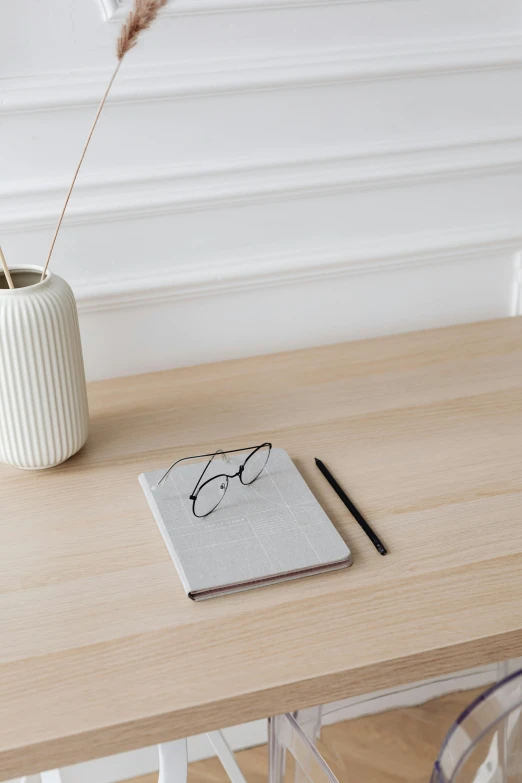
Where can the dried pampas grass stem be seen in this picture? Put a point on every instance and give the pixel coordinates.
(78, 167)
(140, 17)
(7, 273)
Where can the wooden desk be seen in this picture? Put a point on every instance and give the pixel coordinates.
(100, 650)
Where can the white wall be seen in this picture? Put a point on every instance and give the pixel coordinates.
(293, 171)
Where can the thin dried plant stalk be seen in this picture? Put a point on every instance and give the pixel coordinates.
(7, 273)
(140, 17)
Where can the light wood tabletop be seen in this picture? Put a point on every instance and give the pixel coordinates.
(100, 649)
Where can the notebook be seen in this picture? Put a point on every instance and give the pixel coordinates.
(271, 531)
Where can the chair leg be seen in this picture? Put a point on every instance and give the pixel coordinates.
(276, 751)
(310, 721)
(226, 756)
(51, 776)
(498, 756)
(287, 736)
(173, 761)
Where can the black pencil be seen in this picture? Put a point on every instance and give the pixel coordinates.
(374, 538)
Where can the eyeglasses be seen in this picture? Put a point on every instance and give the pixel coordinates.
(207, 496)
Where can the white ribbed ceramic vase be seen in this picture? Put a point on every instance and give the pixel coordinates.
(44, 417)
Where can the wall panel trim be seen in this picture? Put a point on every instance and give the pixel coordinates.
(262, 271)
(115, 10)
(155, 191)
(167, 81)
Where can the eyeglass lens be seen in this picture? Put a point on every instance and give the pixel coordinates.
(210, 496)
(255, 463)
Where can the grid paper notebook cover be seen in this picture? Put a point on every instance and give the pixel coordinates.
(270, 531)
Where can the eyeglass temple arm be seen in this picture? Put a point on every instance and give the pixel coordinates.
(212, 454)
(192, 495)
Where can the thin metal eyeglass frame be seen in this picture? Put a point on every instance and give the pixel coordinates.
(198, 487)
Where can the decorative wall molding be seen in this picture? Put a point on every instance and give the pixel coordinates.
(115, 10)
(109, 8)
(169, 81)
(264, 271)
(158, 321)
(150, 192)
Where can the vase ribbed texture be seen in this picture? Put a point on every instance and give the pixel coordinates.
(44, 416)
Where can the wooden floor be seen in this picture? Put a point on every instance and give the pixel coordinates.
(392, 747)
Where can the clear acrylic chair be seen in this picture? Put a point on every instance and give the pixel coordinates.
(292, 755)
(484, 745)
